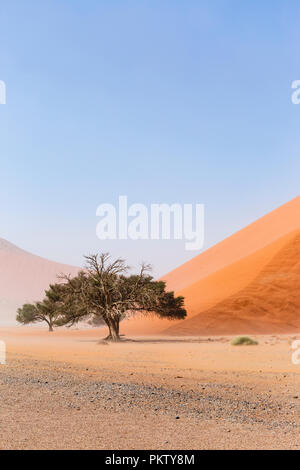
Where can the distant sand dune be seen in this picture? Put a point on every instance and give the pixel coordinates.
(23, 278)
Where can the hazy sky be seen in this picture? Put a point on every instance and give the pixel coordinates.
(162, 101)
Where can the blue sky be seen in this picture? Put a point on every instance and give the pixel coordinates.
(162, 101)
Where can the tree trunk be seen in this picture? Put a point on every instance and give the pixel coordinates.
(50, 327)
(113, 326)
(117, 326)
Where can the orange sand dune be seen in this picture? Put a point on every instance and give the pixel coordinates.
(268, 304)
(225, 269)
(23, 278)
(229, 280)
(264, 231)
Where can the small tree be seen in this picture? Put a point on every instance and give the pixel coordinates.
(46, 311)
(104, 292)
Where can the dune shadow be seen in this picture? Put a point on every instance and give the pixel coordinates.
(164, 340)
(171, 340)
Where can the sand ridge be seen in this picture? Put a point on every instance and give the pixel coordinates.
(223, 272)
(270, 303)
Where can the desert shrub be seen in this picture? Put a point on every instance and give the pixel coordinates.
(243, 341)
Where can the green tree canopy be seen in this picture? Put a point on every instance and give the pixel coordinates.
(104, 291)
(49, 310)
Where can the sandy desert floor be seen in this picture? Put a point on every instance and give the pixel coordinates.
(67, 390)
